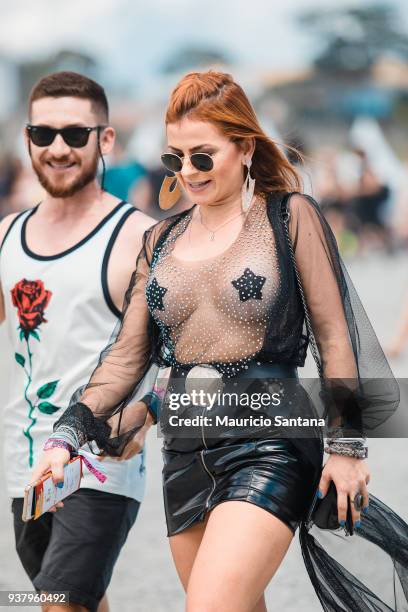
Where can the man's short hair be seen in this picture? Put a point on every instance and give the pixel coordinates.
(74, 85)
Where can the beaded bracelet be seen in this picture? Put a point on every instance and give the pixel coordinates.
(339, 444)
(56, 443)
(343, 449)
(358, 444)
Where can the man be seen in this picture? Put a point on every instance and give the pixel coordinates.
(64, 268)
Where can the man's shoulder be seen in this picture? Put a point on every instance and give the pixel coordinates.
(140, 222)
(6, 223)
(130, 237)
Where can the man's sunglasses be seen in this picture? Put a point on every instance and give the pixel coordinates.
(76, 137)
(201, 161)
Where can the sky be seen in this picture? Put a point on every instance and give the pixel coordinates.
(132, 38)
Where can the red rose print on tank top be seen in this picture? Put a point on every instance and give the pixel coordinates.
(31, 299)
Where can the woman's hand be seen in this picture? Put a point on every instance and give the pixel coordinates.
(52, 460)
(351, 476)
(135, 445)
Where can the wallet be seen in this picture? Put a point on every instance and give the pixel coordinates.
(325, 513)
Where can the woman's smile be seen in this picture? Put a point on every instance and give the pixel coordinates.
(197, 186)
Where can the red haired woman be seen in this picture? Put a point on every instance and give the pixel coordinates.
(232, 290)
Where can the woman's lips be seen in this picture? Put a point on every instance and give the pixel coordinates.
(197, 186)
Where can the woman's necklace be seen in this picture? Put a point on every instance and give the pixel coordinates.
(213, 232)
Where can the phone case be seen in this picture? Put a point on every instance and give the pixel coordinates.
(42, 495)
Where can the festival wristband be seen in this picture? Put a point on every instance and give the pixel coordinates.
(55, 443)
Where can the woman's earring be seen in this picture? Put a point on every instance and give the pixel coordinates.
(248, 188)
(170, 192)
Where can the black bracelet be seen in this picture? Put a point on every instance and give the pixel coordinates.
(152, 402)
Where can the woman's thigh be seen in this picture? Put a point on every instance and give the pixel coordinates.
(240, 550)
(184, 547)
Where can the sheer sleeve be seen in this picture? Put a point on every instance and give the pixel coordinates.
(109, 410)
(358, 378)
(317, 271)
(351, 359)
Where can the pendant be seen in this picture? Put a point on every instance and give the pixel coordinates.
(212, 235)
(202, 380)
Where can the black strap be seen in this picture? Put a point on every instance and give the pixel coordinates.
(285, 212)
(105, 261)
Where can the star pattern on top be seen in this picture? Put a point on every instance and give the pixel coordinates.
(249, 285)
(156, 295)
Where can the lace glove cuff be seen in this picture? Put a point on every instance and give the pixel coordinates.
(78, 425)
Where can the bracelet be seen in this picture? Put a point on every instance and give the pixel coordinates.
(336, 437)
(351, 442)
(57, 443)
(348, 451)
(153, 402)
(68, 434)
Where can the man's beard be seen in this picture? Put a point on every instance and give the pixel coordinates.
(65, 191)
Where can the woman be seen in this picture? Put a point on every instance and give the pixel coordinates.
(215, 289)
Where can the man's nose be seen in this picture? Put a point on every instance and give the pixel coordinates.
(59, 147)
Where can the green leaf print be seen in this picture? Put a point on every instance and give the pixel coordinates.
(47, 390)
(20, 359)
(47, 408)
(35, 334)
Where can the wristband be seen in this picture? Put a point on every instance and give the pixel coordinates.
(56, 443)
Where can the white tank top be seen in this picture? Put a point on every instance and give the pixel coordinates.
(59, 316)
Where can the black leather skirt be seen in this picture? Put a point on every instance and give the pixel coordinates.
(273, 472)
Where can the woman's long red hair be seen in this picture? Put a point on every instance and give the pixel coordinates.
(215, 97)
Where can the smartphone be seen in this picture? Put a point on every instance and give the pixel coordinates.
(42, 495)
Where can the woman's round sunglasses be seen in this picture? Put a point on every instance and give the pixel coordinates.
(201, 161)
(76, 137)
